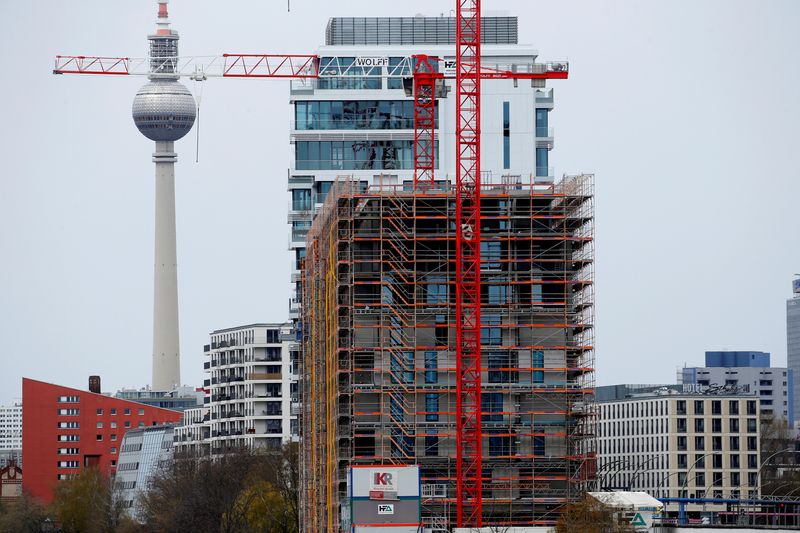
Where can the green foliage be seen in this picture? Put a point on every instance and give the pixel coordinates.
(83, 503)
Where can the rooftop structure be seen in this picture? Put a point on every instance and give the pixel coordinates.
(750, 371)
(177, 399)
(379, 375)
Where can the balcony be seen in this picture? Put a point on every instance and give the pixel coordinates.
(253, 376)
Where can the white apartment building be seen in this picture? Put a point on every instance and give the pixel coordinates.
(11, 434)
(672, 444)
(364, 127)
(252, 392)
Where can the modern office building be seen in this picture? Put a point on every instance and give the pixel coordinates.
(142, 454)
(677, 444)
(66, 429)
(378, 298)
(793, 344)
(11, 434)
(253, 396)
(750, 371)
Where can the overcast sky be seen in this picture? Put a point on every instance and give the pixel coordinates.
(686, 111)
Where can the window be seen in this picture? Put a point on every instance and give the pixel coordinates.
(113, 425)
(752, 444)
(716, 407)
(506, 135)
(734, 444)
(68, 464)
(431, 407)
(752, 479)
(141, 412)
(682, 462)
(500, 368)
(68, 425)
(733, 407)
(99, 436)
(752, 425)
(500, 445)
(734, 425)
(700, 479)
(700, 460)
(538, 362)
(751, 407)
(69, 399)
(491, 333)
(127, 423)
(69, 438)
(113, 436)
(539, 445)
(491, 253)
(680, 407)
(734, 460)
(431, 365)
(541, 123)
(681, 425)
(717, 478)
(301, 199)
(716, 461)
(682, 478)
(113, 410)
(99, 411)
(127, 411)
(542, 166)
(492, 402)
(716, 443)
(436, 290)
(716, 425)
(357, 155)
(699, 425)
(113, 450)
(699, 443)
(431, 445)
(699, 407)
(682, 443)
(752, 460)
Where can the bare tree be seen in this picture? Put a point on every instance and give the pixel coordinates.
(590, 516)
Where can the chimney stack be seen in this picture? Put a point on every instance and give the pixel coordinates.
(94, 384)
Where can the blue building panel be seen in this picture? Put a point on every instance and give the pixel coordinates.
(737, 359)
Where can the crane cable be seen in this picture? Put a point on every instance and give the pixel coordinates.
(197, 128)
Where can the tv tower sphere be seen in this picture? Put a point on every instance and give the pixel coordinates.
(164, 110)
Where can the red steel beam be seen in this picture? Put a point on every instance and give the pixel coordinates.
(425, 79)
(469, 470)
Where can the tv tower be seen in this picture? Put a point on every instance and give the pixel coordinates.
(164, 111)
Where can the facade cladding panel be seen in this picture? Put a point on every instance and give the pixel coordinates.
(344, 31)
(66, 429)
(142, 454)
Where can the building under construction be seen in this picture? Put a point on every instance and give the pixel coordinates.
(379, 370)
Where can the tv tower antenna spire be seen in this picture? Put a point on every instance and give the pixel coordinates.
(164, 111)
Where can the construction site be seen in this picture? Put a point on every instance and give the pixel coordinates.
(381, 383)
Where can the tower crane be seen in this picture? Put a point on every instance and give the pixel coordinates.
(427, 73)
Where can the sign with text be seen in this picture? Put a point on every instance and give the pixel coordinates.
(371, 61)
(386, 508)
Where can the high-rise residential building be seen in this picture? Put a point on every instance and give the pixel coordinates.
(252, 390)
(751, 371)
(674, 444)
(793, 344)
(192, 435)
(142, 454)
(11, 434)
(66, 429)
(374, 288)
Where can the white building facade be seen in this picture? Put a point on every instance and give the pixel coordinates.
(675, 445)
(252, 398)
(364, 127)
(142, 454)
(11, 434)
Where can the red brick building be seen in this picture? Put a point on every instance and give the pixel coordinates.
(65, 429)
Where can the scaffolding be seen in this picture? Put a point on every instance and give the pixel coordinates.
(379, 370)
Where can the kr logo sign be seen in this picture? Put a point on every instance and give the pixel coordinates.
(383, 480)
